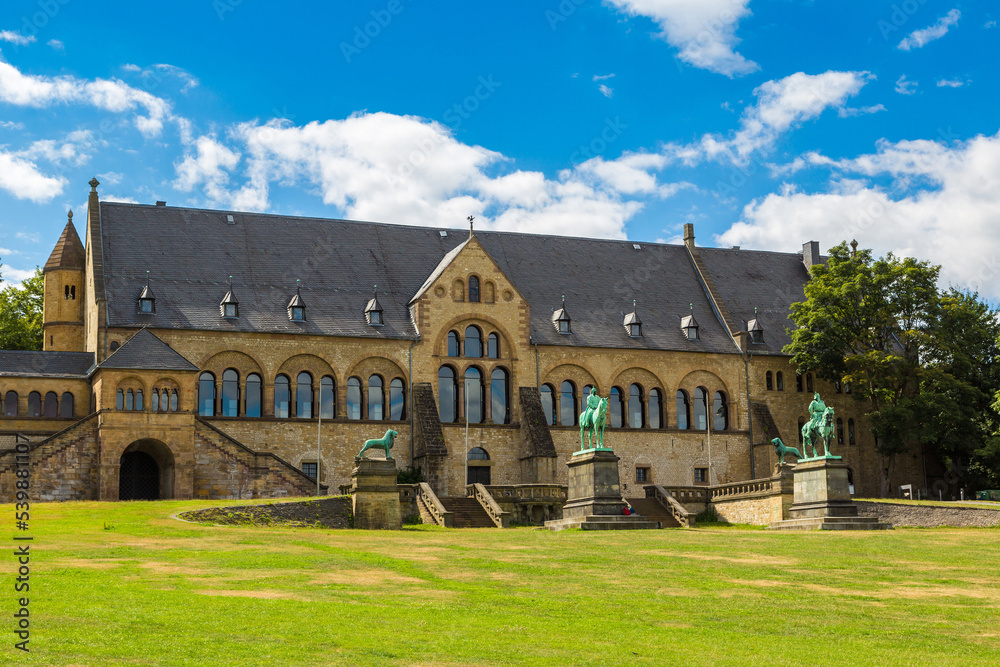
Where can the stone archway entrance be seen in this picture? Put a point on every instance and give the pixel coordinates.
(146, 471)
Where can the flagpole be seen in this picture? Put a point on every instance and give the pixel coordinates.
(319, 431)
(466, 432)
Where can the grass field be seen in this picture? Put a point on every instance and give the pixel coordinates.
(123, 583)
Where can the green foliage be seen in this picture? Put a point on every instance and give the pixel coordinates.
(708, 515)
(409, 475)
(927, 362)
(21, 314)
(412, 520)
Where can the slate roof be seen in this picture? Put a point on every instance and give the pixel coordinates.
(767, 281)
(68, 252)
(45, 364)
(192, 252)
(145, 351)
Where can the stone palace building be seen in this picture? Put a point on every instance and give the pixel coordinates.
(195, 353)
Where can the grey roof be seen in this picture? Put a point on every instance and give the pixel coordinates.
(145, 351)
(767, 281)
(338, 261)
(45, 364)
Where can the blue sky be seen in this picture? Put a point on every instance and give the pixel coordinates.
(765, 123)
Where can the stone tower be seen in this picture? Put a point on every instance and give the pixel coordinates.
(64, 285)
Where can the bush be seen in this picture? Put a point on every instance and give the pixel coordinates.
(412, 520)
(708, 515)
(409, 475)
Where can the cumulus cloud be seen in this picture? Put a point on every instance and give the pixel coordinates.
(606, 91)
(704, 31)
(112, 95)
(919, 38)
(12, 276)
(905, 87)
(17, 38)
(56, 45)
(941, 203)
(21, 177)
(73, 149)
(208, 166)
(950, 83)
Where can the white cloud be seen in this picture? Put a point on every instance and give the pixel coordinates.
(848, 112)
(12, 276)
(72, 149)
(703, 30)
(905, 87)
(942, 205)
(990, 24)
(11, 125)
(110, 178)
(781, 105)
(56, 44)
(603, 77)
(919, 38)
(20, 177)
(108, 94)
(16, 38)
(607, 92)
(950, 83)
(209, 166)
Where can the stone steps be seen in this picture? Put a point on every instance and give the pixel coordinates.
(832, 523)
(467, 513)
(651, 509)
(603, 522)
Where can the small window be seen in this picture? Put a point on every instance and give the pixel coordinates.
(840, 431)
(564, 326)
(548, 407)
(478, 454)
(701, 475)
(454, 349)
(130, 400)
(66, 406)
(473, 342)
(230, 310)
(769, 381)
(779, 381)
(798, 383)
(635, 330)
(809, 382)
(145, 305)
(354, 398)
(641, 475)
(376, 318)
(298, 313)
(310, 468)
(120, 399)
(114, 345)
(138, 399)
(851, 439)
(493, 346)
(836, 387)
(473, 289)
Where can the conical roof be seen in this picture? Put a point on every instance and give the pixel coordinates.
(68, 253)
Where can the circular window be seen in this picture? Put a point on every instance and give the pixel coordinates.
(439, 291)
(507, 295)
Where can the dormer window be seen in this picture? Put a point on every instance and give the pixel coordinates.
(297, 307)
(147, 302)
(689, 326)
(230, 306)
(633, 326)
(561, 319)
(373, 311)
(755, 331)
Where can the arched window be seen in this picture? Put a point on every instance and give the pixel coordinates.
(720, 412)
(120, 399)
(327, 396)
(809, 382)
(254, 395)
(700, 409)
(282, 397)
(547, 404)
(499, 412)
(635, 416)
(397, 400)
(584, 395)
(51, 409)
(769, 381)
(836, 387)
(354, 398)
(850, 433)
(154, 401)
(376, 398)
(840, 431)
(683, 410)
(304, 396)
(10, 404)
(802, 422)
(34, 404)
(567, 403)
(138, 399)
(130, 400)
(230, 393)
(454, 349)
(798, 382)
(473, 342)
(173, 400)
(616, 416)
(473, 289)
(655, 409)
(478, 474)
(493, 346)
(473, 394)
(779, 381)
(66, 406)
(447, 395)
(206, 395)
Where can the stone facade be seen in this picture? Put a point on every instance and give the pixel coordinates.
(206, 445)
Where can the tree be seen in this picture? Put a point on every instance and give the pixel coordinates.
(21, 314)
(863, 322)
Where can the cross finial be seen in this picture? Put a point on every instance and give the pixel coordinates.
(93, 184)
(472, 220)
(854, 247)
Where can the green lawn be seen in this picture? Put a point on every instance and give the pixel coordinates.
(156, 591)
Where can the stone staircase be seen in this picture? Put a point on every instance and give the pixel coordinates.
(652, 510)
(467, 513)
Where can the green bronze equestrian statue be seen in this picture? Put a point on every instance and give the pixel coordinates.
(593, 420)
(819, 429)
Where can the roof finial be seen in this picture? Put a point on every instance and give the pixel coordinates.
(230, 283)
(472, 220)
(854, 247)
(147, 277)
(298, 283)
(755, 311)
(376, 291)
(93, 184)
(70, 215)
(691, 306)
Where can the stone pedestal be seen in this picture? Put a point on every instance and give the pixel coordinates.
(822, 500)
(374, 494)
(594, 500)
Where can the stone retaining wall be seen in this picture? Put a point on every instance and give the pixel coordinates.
(326, 512)
(930, 516)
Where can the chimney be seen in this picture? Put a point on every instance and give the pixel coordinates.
(810, 254)
(689, 235)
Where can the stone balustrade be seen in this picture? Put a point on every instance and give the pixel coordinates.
(497, 515)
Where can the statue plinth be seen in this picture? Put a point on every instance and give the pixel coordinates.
(594, 499)
(375, 495)
(821, 500)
